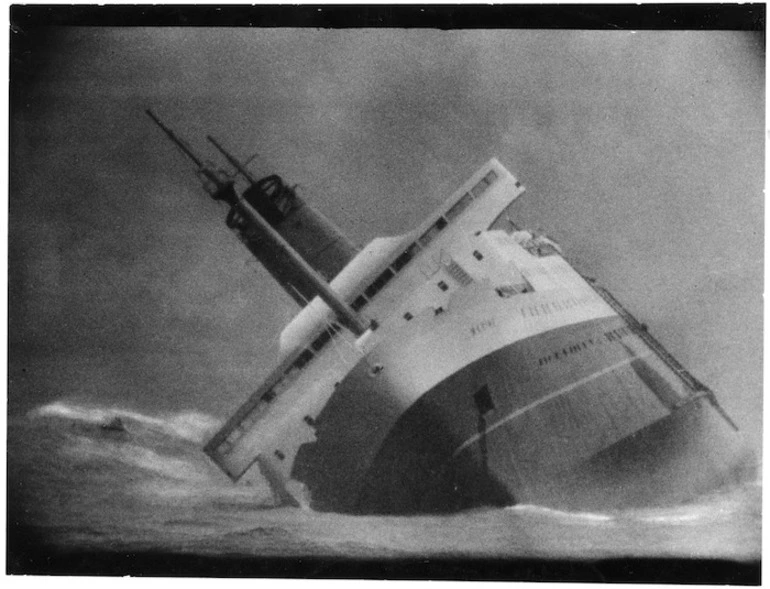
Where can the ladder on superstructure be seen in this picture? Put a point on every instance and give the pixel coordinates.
(699, 389)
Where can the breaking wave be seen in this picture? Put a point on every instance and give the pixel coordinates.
(154, 459)
(191, 425)
(134, 455)
(152, 486)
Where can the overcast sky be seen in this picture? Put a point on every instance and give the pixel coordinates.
(642, 154)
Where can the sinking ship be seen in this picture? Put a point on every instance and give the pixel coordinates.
(465, 363)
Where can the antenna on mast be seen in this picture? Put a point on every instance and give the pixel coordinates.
(180, 143)
(258, 216)
(214, 182)
(233, 160)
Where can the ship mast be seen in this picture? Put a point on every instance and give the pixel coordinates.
(264, 240)
(218, 187)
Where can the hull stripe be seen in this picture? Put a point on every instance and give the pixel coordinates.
(476, 437)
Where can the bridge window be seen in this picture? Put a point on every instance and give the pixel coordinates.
(359, 303)
(321, 340)
(459, 206)
(250, 420)
(480, 188)
(305, 357)
(428, 236)
(404, 258)
(377, 285)
(491, 177)
(268, 396)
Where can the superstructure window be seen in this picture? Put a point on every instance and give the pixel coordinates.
(442, 285)
(378, 284)
(268, 396)
(305, 357)
(480, 188)
(321, 340)
(484, 183)
(408, 316)
(478, 255)
(459, 206)
(250, 420)
(405, 257)
(431, 233)
(359, 303)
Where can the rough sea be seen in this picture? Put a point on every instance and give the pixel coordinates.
(83, 500)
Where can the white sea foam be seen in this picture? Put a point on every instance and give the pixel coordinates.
(676, 514)
(133, 455)
(191, 425)
(584, 516)
(87, 414)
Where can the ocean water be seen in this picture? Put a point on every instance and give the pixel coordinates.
(75, 488)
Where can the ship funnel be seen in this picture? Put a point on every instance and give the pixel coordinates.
(314, 236)
(300, 248)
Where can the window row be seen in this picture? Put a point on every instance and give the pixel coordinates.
(398, 264)
(410, 252)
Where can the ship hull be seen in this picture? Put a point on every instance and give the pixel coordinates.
(584, 416)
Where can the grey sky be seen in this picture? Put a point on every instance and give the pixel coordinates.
(642, 153)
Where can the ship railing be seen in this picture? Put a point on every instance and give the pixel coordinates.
(699, 389)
